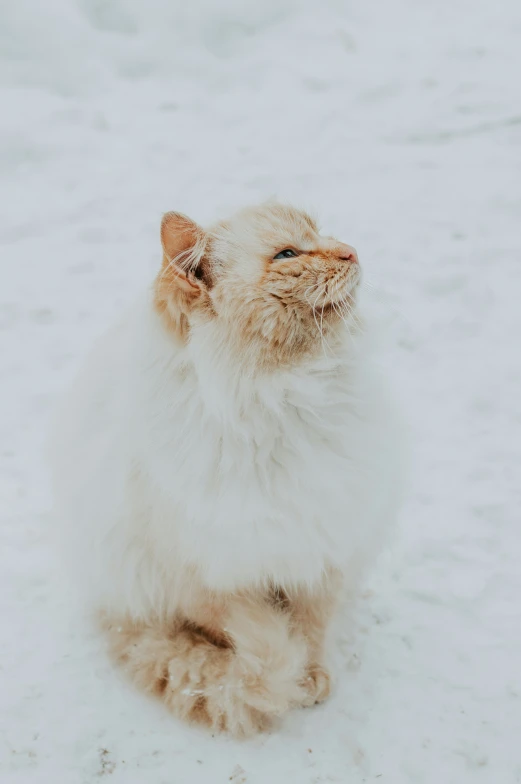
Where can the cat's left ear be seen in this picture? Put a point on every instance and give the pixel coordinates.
(182, 286)
(184, 245)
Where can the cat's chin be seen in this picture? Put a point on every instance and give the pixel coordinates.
(342, 304)
(344, 295)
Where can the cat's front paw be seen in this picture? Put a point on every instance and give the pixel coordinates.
(317, 685)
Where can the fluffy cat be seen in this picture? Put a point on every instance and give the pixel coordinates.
(225, 462)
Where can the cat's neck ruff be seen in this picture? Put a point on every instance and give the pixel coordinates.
(231, 387)
(269, 464)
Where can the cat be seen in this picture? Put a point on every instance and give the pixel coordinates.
(226, 464)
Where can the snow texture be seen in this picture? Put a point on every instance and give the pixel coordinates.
(400, 122)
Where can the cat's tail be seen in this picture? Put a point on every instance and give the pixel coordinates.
(237, 688)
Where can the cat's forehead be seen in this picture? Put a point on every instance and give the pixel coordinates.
(271, 225)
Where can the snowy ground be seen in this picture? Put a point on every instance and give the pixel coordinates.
(401, 123)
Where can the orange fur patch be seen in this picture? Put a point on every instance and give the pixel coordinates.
(233, 662)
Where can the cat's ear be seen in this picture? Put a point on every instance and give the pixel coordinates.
(184, 245)
(182, 286)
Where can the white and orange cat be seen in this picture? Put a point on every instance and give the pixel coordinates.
(225, 463)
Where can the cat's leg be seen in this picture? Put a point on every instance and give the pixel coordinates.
(312, 609)
(233, 665)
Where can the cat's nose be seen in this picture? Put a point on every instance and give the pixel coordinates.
(347, 253)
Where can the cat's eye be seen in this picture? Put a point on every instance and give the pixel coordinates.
(287, 253)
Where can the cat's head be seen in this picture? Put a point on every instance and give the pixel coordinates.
(271, 285)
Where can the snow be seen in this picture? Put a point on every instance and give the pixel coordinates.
(400, 123)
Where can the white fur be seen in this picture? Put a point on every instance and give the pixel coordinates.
(169, 460)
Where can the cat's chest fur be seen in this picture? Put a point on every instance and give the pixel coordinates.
(256, 479)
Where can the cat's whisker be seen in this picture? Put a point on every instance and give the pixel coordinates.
(338, 310)
(343, 304)
(309, 288)
(321, 326)
(315, 316)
